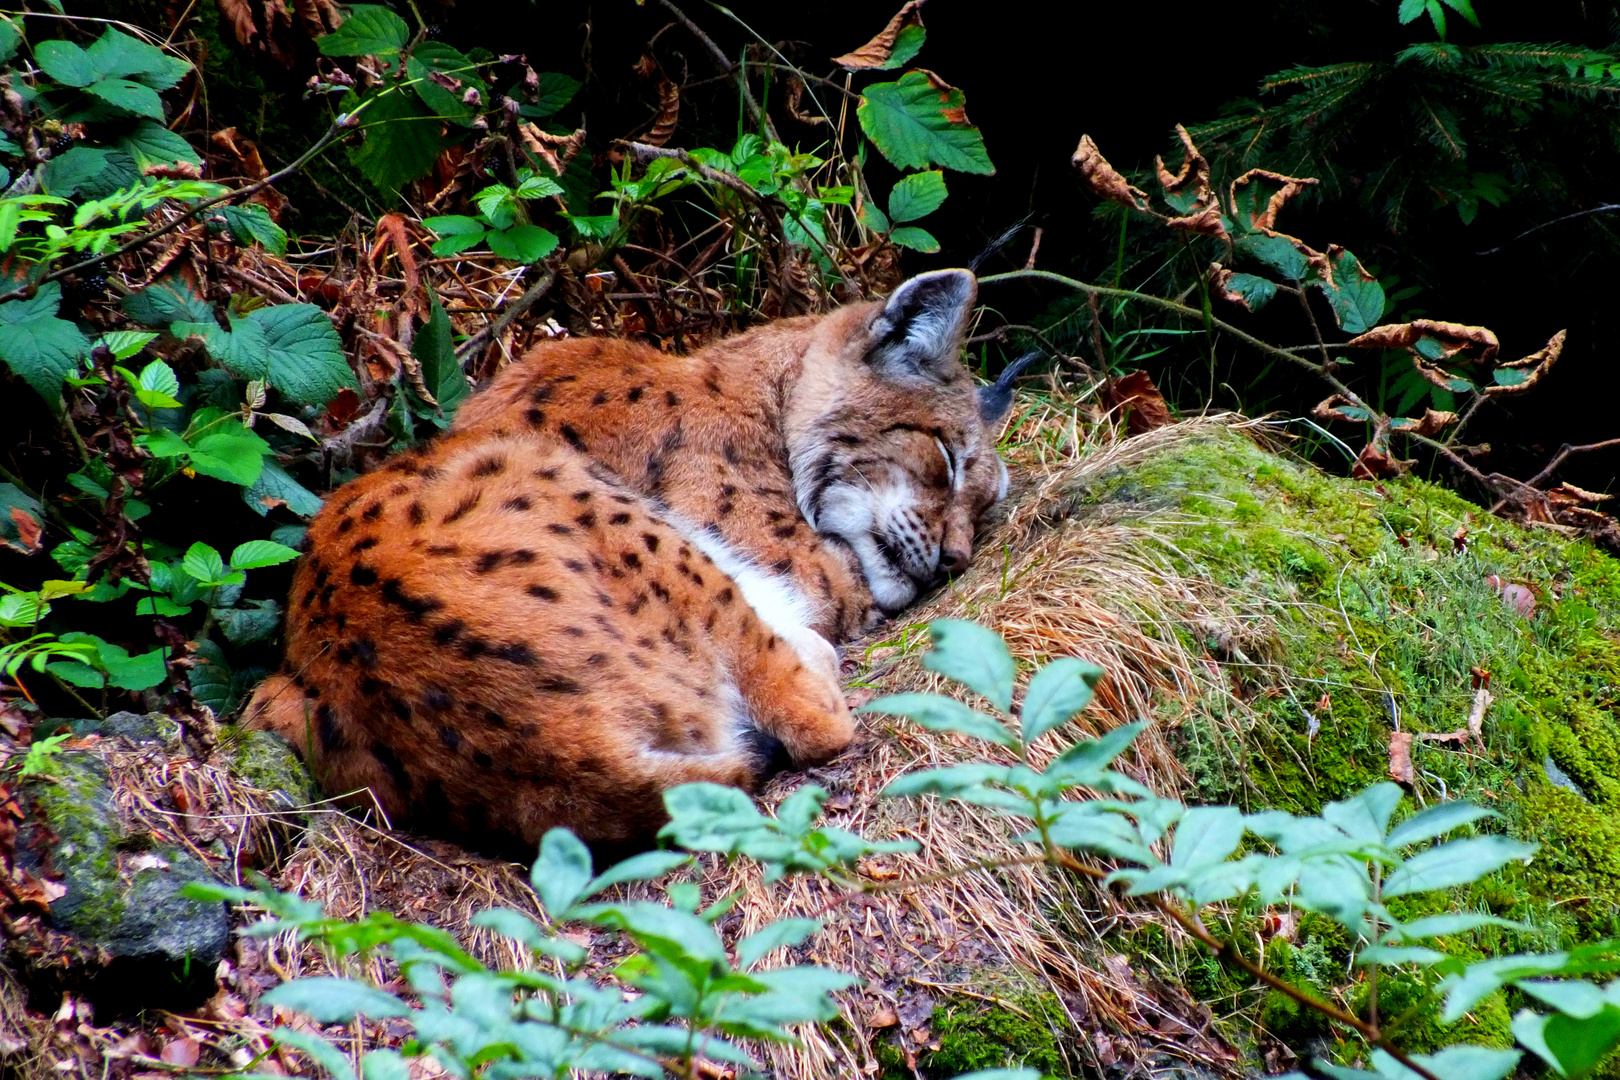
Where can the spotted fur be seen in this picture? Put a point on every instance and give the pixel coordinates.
(622, 571)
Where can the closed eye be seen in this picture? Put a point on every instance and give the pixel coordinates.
(951, 472)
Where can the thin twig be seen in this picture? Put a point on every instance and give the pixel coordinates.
(517, 307)
(736, 71)
(1602, 208)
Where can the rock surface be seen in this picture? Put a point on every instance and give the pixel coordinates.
(139, 942)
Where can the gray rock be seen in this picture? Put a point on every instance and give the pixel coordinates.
(267, 761)
(1562, 779)
(147, 946)
(152, 728)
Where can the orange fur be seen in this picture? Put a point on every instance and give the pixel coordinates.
(520, 626)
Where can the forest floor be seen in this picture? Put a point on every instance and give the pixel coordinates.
(1295, 636)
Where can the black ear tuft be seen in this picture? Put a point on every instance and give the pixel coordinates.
(920, 329)
(996, 399)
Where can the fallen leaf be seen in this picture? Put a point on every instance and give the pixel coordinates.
(1400, 756)
(669, 114)
(1139, 401)
(1459, 540)
(876, 53)
(181, 1052)
(883, 1018)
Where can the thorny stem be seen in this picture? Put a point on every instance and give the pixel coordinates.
(1185, 312)
(1228, 953)
(341, 126)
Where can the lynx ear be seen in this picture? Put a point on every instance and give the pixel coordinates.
(996, 399)
(920, 328)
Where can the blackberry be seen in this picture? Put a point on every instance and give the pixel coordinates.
(433, 32)
(92, 284)
(61, 144)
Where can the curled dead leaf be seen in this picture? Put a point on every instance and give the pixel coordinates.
(795, 103)
(1206, 222)
(883, 1018)
(1377, 463)
(1192, 181)
(1452, 338)
(876, 53)
(1246, 195)
(1567, 494)
(1528, 372)
(1430, 424)
(555, 150)
(1400, 757)
(1339, 407)
(1104, 180)
(669, 114)
(239, 13)
(1138, 401)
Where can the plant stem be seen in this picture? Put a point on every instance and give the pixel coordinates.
(1185, 312)
(517, 307)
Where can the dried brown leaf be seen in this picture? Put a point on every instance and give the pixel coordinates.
(1536, 365)
(669, 114)
(1400, 757)
(555, 150)
(1266, 221)
(1377, 463)
(1203, 211)
(239, 13)
(1140, 402)
(1206, 222)
(1104, 180)
(876, 53)
(795, 103)
(29, 532)
(318, 16)
(181, 1052)
(1454, 339)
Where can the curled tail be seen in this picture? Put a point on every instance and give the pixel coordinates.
(279, 705)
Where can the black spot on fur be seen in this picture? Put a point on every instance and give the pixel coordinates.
(450, 737)
(494, 719)
(725, 595)
(444, 549)
(490, 466)
(535, 417)
(361, 574)
(483, 760)
(671, 399)
(631, 559)
(540, 394)
(436, 699)
(399, 489)
(468, 503)
(309, 598)
(405, 465)
(572, 437)
(473, 647)
(364, 545)
(516, 504)
(782, 532)
(416, 514)
(650, 540)
(514, 652)
(549, 473)
(600, 398)
(326, 726)
(445, 633)
(396, 768)
(370, 687)
(619, 519)
(596, 659)
(559, 528)
(729, 449)
(345, 525)
(366, 652)
(586, 520)
(556, 684)
(373, 512)
(488, 561)
(542, 592)
(635, 394)
(574, 564)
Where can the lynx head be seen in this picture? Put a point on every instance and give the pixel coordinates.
(891, 443)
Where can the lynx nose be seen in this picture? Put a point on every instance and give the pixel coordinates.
(953, 560)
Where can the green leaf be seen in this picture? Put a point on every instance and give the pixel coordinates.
(66, 63)
(203, 563)
(318, 1049)
(939, 713)
(523, 243)
(250, 224)
(275, 486)
(1510, 376)
(916, 196)
(1276, 252)
(644, 867)
(1354, 295)
(211, 679)
(1573, 997)
(972, 656)
(907, 44)
(1456, 863)
(149, 143)
(370, 30)
(159, 378)
(909, 236)
(236, 457)
(873, 218)
(1442, 925)
(168, 299)
(1058, 691)
(124, 344)
(10, 39)
(1409, 11)
(1479, 981)
(1573, 1047)
(1452, 1063)
(947, 781)
(1252, 292)
(14, 500)
(561, 872)
(434, 349)
(403, 138)
(133, 672)
(129, 96)
(1206, 836)
(1436, 820)
(116, 54)
(1364, 816)
(330, 1000)
(1395, 955)
(437, 57)
(258, 553)
(39, 347)
(293, 347)
(553, 92)
(915, 125)
(160, 605)
(384, 1065)
(760, 944)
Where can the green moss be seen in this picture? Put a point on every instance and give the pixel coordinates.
(1373, 604)
(265, 760)
(76, 802)
(974, 1036)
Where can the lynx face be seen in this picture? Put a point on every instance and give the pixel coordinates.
(897, 461)
(623, 570)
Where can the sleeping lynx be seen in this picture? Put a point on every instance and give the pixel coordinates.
(623, 570)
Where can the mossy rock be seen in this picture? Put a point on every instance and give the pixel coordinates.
(1376, 602)
(142, 944)
(267, 761)
(974, 1035)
